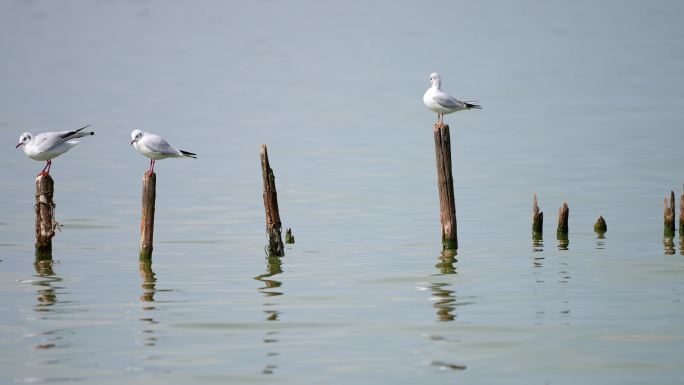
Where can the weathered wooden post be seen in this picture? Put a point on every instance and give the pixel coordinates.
(563, 214)
(273, 225)
(681, 215)
(149, 193)
(45, 216)
(600, 226)
(537, 218)
(445, 184)
(669, 215)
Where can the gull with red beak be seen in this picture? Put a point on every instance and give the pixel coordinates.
(49, 145)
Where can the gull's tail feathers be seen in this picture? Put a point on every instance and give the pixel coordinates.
(77, 133)
(188, 154)
(471, 104)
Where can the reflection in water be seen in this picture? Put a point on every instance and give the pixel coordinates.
(273, 268)
(600, 241)
(444, 299)
(47, 299)
(46, 291)
(447, 259)
(668, 244)
(147, 298)
(537, 241)
(563, 241)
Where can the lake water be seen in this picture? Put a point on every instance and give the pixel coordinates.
(582, 103)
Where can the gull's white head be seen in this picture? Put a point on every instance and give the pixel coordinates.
(23, 139)
(435, 80)
(135, 136)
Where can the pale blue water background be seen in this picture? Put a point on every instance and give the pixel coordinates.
(582, 103)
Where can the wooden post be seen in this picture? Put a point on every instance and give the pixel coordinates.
(563, 214)
(669, 215)
(149, 193)
(273, 225)
(445, 184)
(45, 216)
(600, 226)
(537, 218)
(289, 238)
(681, 216)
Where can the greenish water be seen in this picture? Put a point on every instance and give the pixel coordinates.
(582, 103)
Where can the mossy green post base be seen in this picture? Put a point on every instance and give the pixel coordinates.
(44, 251)
(600, 226)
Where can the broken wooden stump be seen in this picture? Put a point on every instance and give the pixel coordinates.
(289, 238)
(445, 184)
(669, 215)
(149, 193)
(45, 216)
(537, 219)
(600, 226)
(563, 214)
(275, 245)
(681, 215)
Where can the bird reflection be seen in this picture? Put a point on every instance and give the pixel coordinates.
(274, 266)
(668, 245)
(149, 281)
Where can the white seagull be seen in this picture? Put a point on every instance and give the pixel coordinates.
(49, 145)
(441, 102)
(155, 147)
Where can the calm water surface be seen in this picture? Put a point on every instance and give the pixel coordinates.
(582, 103)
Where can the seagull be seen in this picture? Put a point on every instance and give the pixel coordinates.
(441, 102)
(49, 145)
(155, 147)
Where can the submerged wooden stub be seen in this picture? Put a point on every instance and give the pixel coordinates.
(149, 193)
(289, 238)
(669, 215)
(445, 184)
(563, 214)
(537, 218)
(600, 226)
(681, 215)
(45, 216)
(273, 225)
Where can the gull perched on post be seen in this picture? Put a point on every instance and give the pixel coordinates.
(441, 102)
(155, 147)
(49, 145)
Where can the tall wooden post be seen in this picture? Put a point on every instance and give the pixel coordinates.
(537, 218)
(563, 214)
(273, 225)
(445, 184)
(149, 193)
(45, 216)
(669, 215)
(681, 216)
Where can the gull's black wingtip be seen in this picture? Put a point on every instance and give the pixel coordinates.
(189, 154)
(473, 105)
